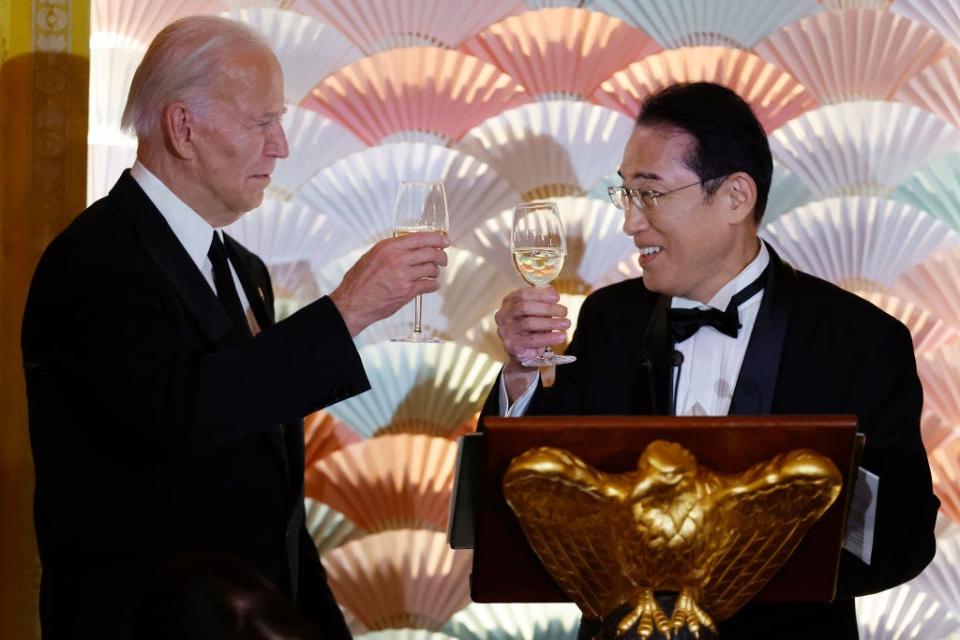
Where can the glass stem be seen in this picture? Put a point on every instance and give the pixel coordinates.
(416, 316)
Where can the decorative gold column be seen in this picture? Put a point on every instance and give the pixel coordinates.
(44, 71)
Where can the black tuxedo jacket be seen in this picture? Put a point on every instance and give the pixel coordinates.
(155, 430)
(815, 349)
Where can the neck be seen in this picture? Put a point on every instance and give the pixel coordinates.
(176, 175)
(737, 260)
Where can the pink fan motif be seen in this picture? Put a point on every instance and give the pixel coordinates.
(853, 54)
(415, 94)
(936, 88)
(934, 284)
(929, 332)
(391, 482)
(940, 373)
(935, 429)
(945, 468)
(942, 15)
(323, 434)
(143, 20)
(835, 5)
(375, 26)
(400, 579)
(774, 95)
(560, 52)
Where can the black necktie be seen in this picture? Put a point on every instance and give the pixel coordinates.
(685, 322)
(226, 290)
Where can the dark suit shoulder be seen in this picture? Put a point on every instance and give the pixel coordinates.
(628, 296)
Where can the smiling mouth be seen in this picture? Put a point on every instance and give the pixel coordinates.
(652, 250)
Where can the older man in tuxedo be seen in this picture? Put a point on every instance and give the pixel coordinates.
(719, 324)
(165, 403)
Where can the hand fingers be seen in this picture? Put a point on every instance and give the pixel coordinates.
(532, 294)
(425, 255)
(420, 271)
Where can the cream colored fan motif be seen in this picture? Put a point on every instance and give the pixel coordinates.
(404, 634)
(551, 149)
(306, 48)
(430, 391)
(940, 579)
(391, 482)
(929, 332)
(328, 527)
(515, 621)
(111, 71)
(375, 26)
(400, 579)
(737, 24)
(560, 53)
(360, 190)
(861, 148)
(315, 142)
(940, 374)
(942, 15)
(143, 20)
(860, 243)
(417, 94)
(903, 612)
(853, 54)
(774, 95)
(105, 162)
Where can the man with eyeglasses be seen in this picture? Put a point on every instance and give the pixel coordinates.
(719, 324)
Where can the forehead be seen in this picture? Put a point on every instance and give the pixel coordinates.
(253, 80)
(656, 153)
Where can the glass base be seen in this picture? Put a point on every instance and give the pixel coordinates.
(548, 359)
(419, 338)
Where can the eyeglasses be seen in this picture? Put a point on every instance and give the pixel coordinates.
(623, 197)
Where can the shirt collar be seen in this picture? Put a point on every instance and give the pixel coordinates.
(721, 298)
(193, 232)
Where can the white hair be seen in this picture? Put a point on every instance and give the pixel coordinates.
(182, 63)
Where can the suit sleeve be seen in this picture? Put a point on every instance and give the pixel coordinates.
(886, 395)
(111, 348)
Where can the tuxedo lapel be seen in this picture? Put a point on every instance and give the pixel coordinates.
(757, 382)
(166, 251)
(253, 290)
(657, 347)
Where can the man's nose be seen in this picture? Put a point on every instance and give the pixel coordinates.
(634, 219)
(277, 146)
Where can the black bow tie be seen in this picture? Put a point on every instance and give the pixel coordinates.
(685, 322)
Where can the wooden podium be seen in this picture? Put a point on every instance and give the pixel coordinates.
(505, 568)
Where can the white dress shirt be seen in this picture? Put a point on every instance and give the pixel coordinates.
(711, 359)
(193, 232)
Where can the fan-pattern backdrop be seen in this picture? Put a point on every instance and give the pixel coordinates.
(506, 100)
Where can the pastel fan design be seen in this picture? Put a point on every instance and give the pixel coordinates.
(736, 24)
(392, 482)
(416, 94)
(774, 95)
(861, 148)
(560, 53)
(400, 579)
(551, 149)
(306, 47)
(860, 243)
(853, 54)
(360, 191)
(375, 26)
(429, 391)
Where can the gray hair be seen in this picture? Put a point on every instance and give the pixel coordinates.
(182, 63)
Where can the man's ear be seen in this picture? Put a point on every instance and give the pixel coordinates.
(740, 194)
(178, 126)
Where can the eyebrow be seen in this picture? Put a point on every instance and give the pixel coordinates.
(640, 174)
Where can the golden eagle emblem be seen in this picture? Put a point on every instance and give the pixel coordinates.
(671, 525)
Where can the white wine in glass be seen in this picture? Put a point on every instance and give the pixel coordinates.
(421, 206)
(539, 248)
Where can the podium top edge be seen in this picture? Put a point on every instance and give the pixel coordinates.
(840, 422)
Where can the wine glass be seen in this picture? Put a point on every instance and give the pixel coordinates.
(421, 206)
(539, 248)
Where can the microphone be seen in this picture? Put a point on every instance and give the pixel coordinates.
(676, 360)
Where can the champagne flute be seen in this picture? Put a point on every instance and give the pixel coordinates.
(421, 206)
(539, 248)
